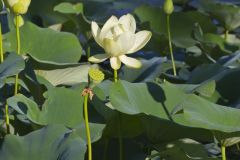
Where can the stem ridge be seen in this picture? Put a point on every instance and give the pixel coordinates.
(170, 46)
(18, 50)
(87, 127)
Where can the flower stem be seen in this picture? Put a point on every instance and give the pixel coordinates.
(115, 75)
(2, 59)
(238, 147)
(120, 140)
(152, 156)
(88, 52)
(226, 35)
(7, 119)
(18, 50)
(87, 127)
(1, 44)
(105, 149)
(223, 153)
(170, 45)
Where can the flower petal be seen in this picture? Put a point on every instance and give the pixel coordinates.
(111, 47)
(117, 30)
(130, 62)
(12, 2)
(111, 22)
(115, 63)
(128, 22)
(142, 38)
(96, 32)
(98, 58)
(126, 41)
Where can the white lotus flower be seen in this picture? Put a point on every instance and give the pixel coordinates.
(118, 38)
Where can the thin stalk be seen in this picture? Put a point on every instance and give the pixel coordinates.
(223, 153)
(115, 75)
(170, 46)
(7, 119)
(1, 44)
(152, 156)
(18, 50)
(226, 35)
(88, 52)
(2, 59)
(238, 147)
(105, 149)
(87, 127)
(120, 139)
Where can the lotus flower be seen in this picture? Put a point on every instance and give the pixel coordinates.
(118, 38)
(18, 6)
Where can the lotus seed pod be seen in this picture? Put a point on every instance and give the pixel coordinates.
(96, 75)
(21, 21)
(168, 7)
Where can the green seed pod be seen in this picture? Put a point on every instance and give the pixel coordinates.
(21, 21)
(168, 7)
(96, 75)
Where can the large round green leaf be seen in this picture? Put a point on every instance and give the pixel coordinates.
(184, 149)
(148, 98)
(69, 8)
(11, 66)
(182, 24)
(198, 112)
(158, 131)
(50, 143)
(167, 102)
(227, 14)
(154, 128)
(45, 45)
(62, 106)
(66, 76)
(149, 71)
(130, 125)
(46, 12)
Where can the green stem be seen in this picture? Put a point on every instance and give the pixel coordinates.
(87, 127)
(226, 35)
(238, 147)
(153, 156)
(119, 124)
(223, 153)
(120, 139)
(1, 44)
(105, 149)
(16, 85)
(115, 75)
(18, 50)
(2, 59)
(7, 119)
(170, 45)
(88, 52)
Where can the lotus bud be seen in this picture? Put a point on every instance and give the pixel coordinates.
(168, 7)
(21, 21)
(18, 6)
(96, 75)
